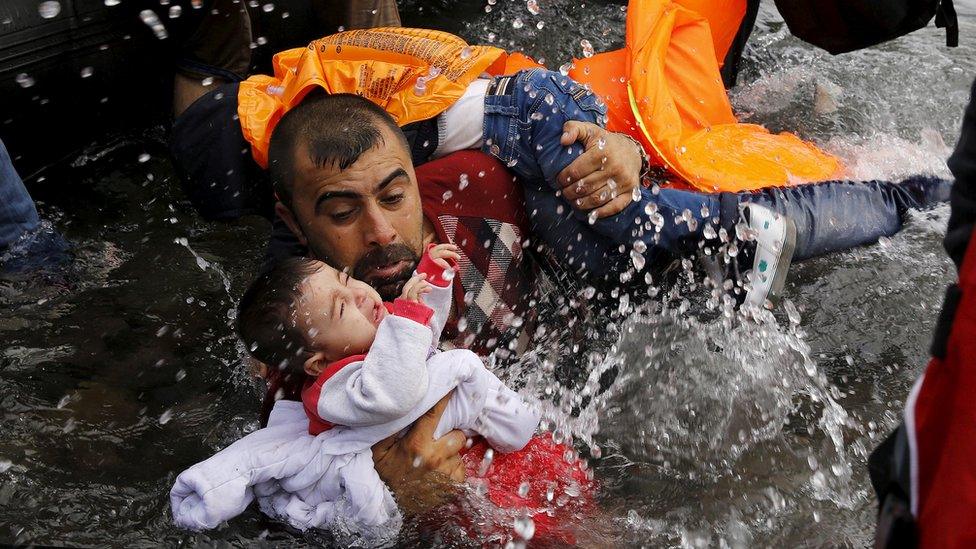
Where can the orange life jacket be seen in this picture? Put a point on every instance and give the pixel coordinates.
(414, 74)
(664, 89)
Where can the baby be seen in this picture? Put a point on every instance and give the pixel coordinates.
(374, 369)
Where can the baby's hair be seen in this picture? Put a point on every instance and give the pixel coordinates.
(266, 321)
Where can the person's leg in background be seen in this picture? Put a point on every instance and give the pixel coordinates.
(215, 48)
(356, 14)
(26, 244)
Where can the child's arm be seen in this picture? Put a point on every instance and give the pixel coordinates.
(440, 264)
(390, 380)
(482, 404)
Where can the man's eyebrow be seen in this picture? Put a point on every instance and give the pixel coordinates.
(396, 174)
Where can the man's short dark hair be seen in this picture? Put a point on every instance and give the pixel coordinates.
(334, 129)
(266, 320)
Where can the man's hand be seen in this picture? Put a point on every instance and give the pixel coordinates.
(605, 175)
(418, 469)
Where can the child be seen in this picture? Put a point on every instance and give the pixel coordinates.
(375, 371)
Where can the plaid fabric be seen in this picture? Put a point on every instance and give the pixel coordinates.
(495, 278)
(473, 202)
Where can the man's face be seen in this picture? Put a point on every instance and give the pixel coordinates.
(366, 219)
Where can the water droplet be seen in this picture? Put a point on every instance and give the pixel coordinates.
(704, 212)
(144, 157)
(208, 81)
(533, 7)
(637, 259)
(587, 48)
(166, 417)
(111, 3)
(462, 181)
(592, 217)
(447, 196)
(268, 8)
(49, 9)
(709, 231)
(596, 452)
(550, 492)
(549, 99)
(466, 52)
(525, 528)
(24, 80)
(5, 465)
(565, 68)
(417, 462)
(517, 23)
(486, 462)
(635, 195)
(175, 11)
(152, 21)
(540, 24)
(87, 72)
(180, 375)
(536, 116)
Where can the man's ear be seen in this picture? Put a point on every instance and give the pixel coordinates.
(315, 364)
(284, 212)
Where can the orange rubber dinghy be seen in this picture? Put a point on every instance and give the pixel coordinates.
(664, 89)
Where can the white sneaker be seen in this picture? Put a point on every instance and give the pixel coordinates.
(772, 242)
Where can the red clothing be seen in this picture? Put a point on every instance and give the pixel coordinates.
(557, 489)
(474, 202)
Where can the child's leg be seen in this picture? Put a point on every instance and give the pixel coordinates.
(524, 117)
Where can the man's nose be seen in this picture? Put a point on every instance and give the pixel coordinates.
(380, 231)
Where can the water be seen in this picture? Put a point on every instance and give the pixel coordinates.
(711, 431)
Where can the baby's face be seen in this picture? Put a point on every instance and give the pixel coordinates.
(339, 314)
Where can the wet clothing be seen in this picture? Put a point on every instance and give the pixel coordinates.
(26, 243)
(18, 215)
(922, 472)
(390, 379)
(328, 481)
(523, 121)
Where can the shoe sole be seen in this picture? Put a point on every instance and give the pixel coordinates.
(785, 258)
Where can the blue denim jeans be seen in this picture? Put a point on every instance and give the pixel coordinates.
(522, 128)
(17, 212)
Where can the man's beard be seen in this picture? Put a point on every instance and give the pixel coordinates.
(388, 286)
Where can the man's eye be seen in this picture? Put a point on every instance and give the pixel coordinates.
(342, 215)
(393, 199)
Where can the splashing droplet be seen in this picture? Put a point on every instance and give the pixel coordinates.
(587, 48)
(533, 7)
(24, 80)
(166, 417)
(49, 9)
(517, 23)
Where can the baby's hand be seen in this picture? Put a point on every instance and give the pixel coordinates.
(441, 252)
(415, 287)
